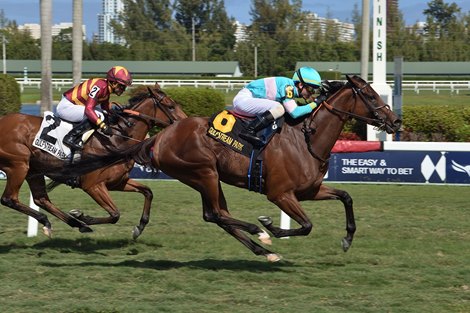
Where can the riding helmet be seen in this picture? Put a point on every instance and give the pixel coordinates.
(307, 75)
(119, 74)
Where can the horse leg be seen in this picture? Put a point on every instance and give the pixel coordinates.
(10, 199)
(101, 195)
(252, 229)
(37, 186)
(329, 193)
(288, 203)
(212, 199)
(229, 224)
(134, 186)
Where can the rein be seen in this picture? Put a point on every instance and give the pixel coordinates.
(157, 102)
(358, 91)
(308, 130)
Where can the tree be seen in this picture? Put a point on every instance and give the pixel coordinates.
(46, 55)
(62, 45)
(440, 17)
(21, 45)
(77, 41)
(213, 29)
(275, 28)
(150, 32)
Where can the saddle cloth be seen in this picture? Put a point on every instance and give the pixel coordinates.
(50, 135)
(225, 127)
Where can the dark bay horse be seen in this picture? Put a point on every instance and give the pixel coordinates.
(21, 161)
(295, 162)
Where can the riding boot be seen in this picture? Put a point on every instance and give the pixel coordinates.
(256, 125)
(73, 138)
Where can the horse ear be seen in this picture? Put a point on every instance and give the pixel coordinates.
(348, 77)
(157, 86)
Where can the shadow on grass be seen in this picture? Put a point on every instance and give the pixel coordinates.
(206, 264)
(82, 245)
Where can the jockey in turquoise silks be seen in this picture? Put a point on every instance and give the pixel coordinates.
(269, 98)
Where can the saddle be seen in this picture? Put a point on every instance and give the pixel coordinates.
(225, 127)
(51, 133)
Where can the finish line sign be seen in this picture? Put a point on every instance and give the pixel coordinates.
(400, 167)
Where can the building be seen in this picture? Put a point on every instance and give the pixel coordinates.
(318, 26)
(240, 32)
(111, 10)
(35, 29)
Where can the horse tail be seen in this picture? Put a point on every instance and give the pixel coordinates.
(144, 154)
(92, 162)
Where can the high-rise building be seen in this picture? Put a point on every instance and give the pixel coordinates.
(316, 25)
(35, 29)
(111, 10)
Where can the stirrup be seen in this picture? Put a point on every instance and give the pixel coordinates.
(253, 139)
(72, 144)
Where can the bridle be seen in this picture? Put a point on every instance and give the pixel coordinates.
(377, 121)
(158, 104)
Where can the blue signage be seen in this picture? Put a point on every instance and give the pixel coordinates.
(382, 167)
(401, 167)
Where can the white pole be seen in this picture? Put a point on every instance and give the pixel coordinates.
(32, 222)
(379, 62)
(285, 222)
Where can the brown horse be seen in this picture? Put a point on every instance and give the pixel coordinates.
(21, 161)
(295, 162)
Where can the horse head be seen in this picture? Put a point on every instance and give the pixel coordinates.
(155, 106)
(369, 107)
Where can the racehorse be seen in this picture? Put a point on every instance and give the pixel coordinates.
(21, 161)
(295, 162)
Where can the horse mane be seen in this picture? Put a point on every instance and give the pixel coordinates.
(327, 89)
(138, 94)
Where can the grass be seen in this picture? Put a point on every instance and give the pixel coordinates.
(410, 254)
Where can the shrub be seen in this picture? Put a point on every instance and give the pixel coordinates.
(195, 101)
(198, 101)
(436, 123)
(10, 95)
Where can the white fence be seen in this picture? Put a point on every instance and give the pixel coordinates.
(64, 83)
(231, 84)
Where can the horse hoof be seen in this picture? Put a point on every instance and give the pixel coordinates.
(265, 238)
(85, 229)
(76, 213)
(345, 244)
(273, 257)
(136, 233)
(265, 220)
(47, 231)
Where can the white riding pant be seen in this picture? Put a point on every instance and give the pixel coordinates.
(73, 112)
(245, 104)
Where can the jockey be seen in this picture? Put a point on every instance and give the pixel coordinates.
(80, 103)
(269, 98)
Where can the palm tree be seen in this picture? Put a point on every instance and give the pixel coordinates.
(77, 41)
(46, 55)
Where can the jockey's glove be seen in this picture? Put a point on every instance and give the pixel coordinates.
(105, 129)
(320, 99)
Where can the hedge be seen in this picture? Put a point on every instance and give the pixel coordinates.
(436, 123)
(198, 101)
(194, 101)
(10, 95)
(431, 123)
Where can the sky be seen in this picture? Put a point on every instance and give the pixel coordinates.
(27, 11)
